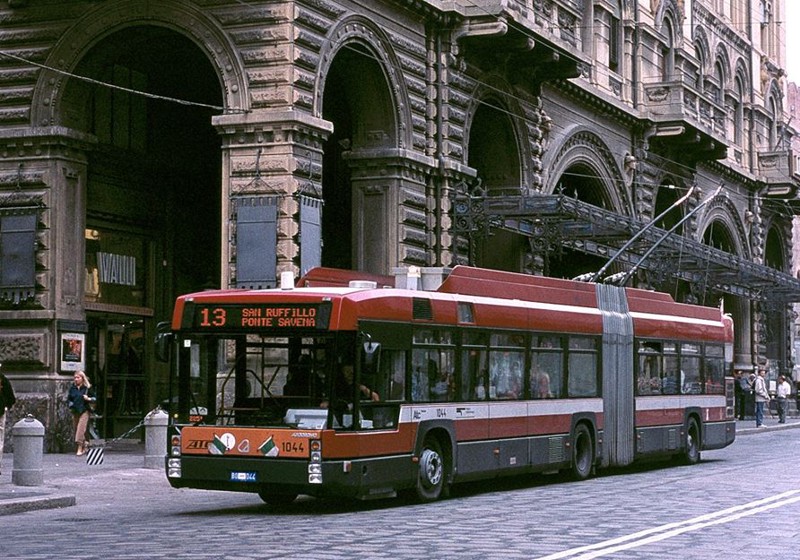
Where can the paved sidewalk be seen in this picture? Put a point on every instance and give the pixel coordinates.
(68, 479)
(65, 478)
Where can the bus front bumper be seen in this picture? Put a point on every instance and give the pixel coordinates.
(360, 478)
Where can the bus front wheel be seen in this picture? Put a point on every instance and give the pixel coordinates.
(582, 453)
(431, 477)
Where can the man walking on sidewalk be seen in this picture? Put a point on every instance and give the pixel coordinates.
(762, 396)
(782, 397)
(7, 400)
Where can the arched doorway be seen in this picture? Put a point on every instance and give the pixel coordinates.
(666, 196)
(580, 181)
(775, 324)
(719, 236)
(357, 100)
(494, 153)
(153, 202)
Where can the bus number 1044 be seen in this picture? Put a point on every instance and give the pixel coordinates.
(293, 447)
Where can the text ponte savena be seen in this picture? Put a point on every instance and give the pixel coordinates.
(282, 317)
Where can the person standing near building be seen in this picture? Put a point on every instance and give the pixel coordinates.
(742, 390)
(782, 396)
(7, 400)
(79, 400)
(761, 396)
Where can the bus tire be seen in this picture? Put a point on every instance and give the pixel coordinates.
(582, 453)
(691, 453)
(431, 475)
(276, 499)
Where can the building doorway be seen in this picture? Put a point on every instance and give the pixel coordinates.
(153, 217)
(116, 368)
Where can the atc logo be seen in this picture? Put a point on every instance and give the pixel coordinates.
(197, 444)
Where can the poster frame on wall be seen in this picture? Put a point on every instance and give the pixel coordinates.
(72, 350)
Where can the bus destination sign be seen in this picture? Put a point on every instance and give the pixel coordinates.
(258, 316)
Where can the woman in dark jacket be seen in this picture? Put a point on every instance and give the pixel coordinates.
(80, 399)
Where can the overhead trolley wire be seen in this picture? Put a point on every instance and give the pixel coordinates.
(120, 88)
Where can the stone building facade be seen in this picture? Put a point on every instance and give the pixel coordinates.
(149, 149)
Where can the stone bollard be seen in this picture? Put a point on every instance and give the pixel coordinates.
(155, 438)
(28, 436)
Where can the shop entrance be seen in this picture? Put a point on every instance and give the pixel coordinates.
(117, 370)
(153, 209)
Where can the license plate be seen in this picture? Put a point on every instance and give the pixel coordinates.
(243, 476)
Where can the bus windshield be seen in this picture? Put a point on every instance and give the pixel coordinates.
(258, 380)
(251, 379)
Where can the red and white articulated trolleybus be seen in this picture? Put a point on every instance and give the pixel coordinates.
(357, 389)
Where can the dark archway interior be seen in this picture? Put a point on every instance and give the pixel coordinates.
(774, 253)
(157, 167)
(718, 236)
(494, 153)
(357, 101)
(152, 195)
(776, 320)
(666, 196)
(580, 181)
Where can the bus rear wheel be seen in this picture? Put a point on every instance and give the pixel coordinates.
(691, 454)
(431, 477)
(275, 499)
(582, 453)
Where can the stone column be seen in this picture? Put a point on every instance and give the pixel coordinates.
(44, 169)
(269, 153)
(392, 217)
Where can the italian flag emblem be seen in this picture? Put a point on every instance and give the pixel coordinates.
(217, 446)
(268, 448)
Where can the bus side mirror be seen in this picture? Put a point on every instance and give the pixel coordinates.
(163, 342)
(370, 358)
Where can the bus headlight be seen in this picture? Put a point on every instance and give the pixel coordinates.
(175, 445)
(173, 468)
(315, 462)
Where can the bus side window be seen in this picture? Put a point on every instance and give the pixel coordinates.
(509, 383)
(670, 383)
(546, 375)
(582, 368)
(419, 376)
(393, 366)
(649, 374)
(714, 370)
(441, 377)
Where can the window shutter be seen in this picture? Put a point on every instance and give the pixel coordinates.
(310, 233)
(256, 241)
(17, 253)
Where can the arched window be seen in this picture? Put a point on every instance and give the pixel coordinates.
(769, 31)
(615, 39)
(738, 15)
(668, 52)
(719, 75)
(700, 54)
(738, 113)
(773, 112)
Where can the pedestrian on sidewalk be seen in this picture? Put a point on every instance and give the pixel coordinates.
(7, 400)
(743, 389)
(80, 400)
(761, 396)
(782, 397)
